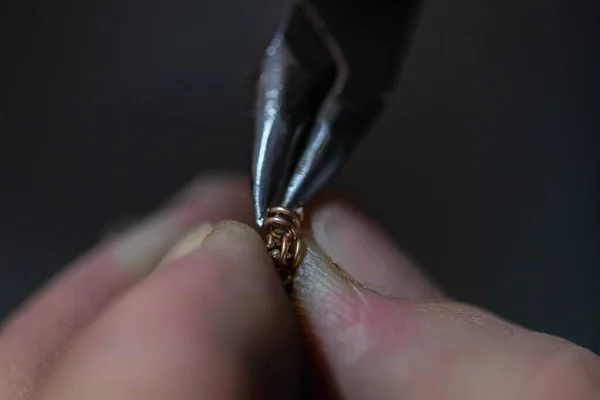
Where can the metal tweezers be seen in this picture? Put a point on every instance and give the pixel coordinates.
(323, 81)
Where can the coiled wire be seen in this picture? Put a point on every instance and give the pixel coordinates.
(285, 246)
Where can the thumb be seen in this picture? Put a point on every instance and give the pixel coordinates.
(413, 343)
(211, 322)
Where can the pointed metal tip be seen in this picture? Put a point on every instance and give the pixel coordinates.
(260, 201)
(260, 220)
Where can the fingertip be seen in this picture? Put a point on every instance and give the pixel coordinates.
(215, 301)
(231, 263)
(238, 240)
(235, 248)
(343, 323)
(191, 241)
(331, 303)
(359, 246)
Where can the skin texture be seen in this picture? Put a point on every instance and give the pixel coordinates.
(184, 306)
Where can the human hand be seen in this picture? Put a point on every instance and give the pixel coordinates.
(213, 321)
(380, 329)
(146, 316)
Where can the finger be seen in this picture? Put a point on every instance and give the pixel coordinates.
(367, 254)
(372, 346)
(212, 322)
(34, 338)
(348, 251)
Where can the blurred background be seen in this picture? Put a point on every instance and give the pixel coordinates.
(484, 168)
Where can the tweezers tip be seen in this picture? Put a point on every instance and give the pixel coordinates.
(259, 214)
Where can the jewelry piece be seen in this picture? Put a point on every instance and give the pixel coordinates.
(282, 228)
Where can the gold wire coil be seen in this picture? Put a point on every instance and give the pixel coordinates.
(282, 228)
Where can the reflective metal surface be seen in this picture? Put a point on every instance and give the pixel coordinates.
(323, 82)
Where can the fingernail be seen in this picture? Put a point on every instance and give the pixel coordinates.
(142, 247)
(335, 230)
(367, 254)
(189, 243)
(230, 238)
(236, 240)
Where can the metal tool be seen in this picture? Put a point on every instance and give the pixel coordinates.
(323, 81)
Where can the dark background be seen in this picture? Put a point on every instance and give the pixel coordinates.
(484, 167)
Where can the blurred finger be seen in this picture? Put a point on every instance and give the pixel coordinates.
(212, 322)
(35, 337)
